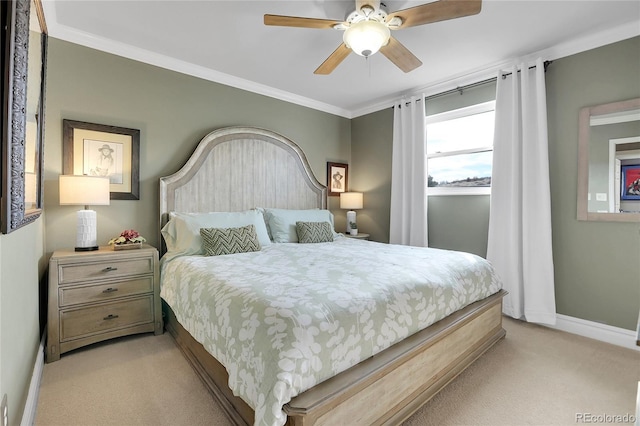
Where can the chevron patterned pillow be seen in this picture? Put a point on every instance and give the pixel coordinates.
(219, 241)
(314, 232)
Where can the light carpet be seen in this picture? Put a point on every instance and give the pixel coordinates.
(535, 376)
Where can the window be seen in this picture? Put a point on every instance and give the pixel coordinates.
(460, 150)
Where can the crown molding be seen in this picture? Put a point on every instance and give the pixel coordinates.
(82, 38)
(577, 45)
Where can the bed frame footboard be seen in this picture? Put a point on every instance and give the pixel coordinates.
(382, 390)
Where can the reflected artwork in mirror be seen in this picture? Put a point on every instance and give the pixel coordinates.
(24, 66)
(608, 157)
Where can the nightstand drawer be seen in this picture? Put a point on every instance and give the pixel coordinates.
(104, 269)
(104, 292)
(109, 316)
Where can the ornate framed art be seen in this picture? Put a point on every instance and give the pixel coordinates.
(103, 150)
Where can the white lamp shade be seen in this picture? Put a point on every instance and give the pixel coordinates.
(84, 190)
(351, 200)
(366, 37)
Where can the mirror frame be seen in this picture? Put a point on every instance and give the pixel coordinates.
(14, 114)
(584, 131)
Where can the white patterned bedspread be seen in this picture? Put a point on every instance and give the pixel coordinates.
(285, 318)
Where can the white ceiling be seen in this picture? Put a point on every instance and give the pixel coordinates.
(227, 42)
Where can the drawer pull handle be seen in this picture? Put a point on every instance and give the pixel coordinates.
(110, 290)
(110, 317)
(109, 269)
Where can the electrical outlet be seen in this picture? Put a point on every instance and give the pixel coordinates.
(4, 409)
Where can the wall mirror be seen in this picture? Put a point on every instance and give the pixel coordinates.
(609, 162)
(24, 67)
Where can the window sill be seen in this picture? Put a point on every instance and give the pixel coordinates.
(458, 191)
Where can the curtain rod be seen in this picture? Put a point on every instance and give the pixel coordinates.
(461, 89)
(545, 65)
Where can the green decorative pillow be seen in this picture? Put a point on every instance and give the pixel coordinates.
(314, 232)
(219, 241)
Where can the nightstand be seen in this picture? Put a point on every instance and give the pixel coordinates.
(99, 295)
(359, 236)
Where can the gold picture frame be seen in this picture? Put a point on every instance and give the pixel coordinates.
(103, 150)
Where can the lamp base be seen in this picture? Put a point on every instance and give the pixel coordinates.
(86, 231)
(87, 248)
(351, 221)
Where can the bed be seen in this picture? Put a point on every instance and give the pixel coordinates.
(372, 339)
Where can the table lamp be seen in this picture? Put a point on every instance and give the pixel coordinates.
(85, 190)
(351, 201)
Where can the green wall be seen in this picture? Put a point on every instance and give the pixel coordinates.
(597, 272)
(22, 264)
(371, 171)
(173, 112)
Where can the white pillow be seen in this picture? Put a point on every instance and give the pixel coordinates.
(266, 220)
(182, 232)
(282, 222)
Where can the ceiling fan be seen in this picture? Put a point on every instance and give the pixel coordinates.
(367, 29)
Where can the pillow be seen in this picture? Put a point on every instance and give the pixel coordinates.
(266, 221)
(220, 241)
(314, 232)
(182, 232)
(282, 222)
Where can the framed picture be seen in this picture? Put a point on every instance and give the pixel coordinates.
(102, 150)
(337, 178)
(630, 182)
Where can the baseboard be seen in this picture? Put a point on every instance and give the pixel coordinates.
(594, 330)
(29, 413)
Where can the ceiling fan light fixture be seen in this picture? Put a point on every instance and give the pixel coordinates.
(366, 37)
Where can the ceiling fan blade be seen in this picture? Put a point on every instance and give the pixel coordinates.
(400, 55)
(437, 11)
(295, 21)
(333, 60)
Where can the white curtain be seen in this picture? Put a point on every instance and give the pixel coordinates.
(409, 174)
(519, 243)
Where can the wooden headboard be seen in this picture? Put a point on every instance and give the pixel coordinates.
(239, 168)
